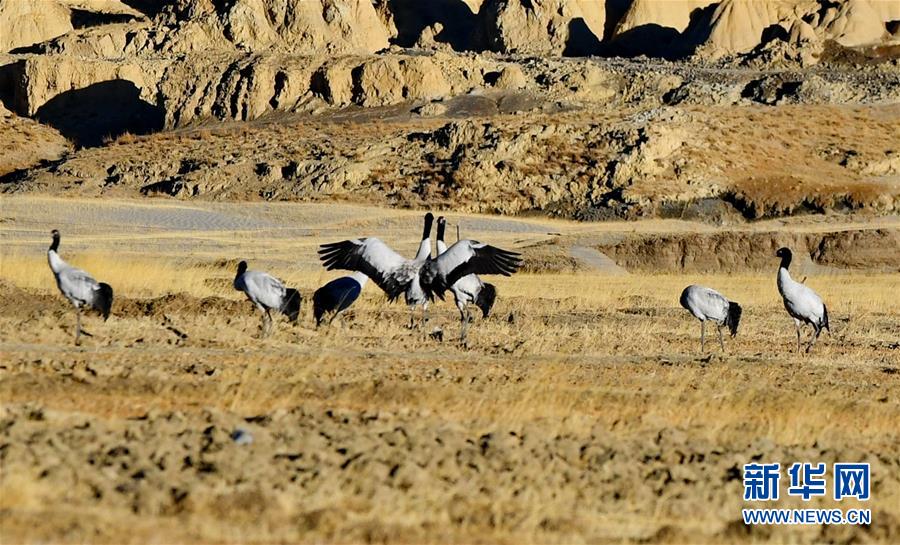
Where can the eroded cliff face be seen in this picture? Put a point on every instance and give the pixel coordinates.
(545, 27)
(96, 72)
(239, 59)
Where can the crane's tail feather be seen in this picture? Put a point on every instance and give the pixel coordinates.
(486, 298)
(733, 318)
(291, 305)
(825, 319)
(103, 299)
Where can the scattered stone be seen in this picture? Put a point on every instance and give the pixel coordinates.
(241, 437)
(431, 109)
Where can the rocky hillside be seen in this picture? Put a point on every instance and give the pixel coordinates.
(582, 108)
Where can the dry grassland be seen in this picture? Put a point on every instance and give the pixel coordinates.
(580, 412)
(27, 142)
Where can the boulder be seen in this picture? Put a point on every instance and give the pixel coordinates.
(862, 22)
(672, 14)
(511, 77)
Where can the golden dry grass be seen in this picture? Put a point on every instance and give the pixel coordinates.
(27, 143)
(581, 411)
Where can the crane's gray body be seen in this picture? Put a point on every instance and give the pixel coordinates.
(76, 285)
(801, 302)
(466, 289)
(262, 289)
(705, 304)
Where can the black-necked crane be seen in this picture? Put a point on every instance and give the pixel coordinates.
(78, 287)
(391, 272)
(463, 258)
(469, 288)
(336, 296)
(707, 304)
(267, 293)
(802, 303)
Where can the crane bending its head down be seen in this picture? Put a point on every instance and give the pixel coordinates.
(707, 304)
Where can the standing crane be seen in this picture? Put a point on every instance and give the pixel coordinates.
(464, 258)
(469, 288)
(801, 302)
(78, 287)
(267, 293)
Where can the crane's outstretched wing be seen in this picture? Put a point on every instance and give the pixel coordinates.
(371, 257)
(464, 258)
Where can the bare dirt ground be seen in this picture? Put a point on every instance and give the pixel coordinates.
(581, 411)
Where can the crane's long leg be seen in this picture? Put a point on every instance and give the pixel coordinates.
(467, 321)
(702, 335)
(721, 344)
(814, 338)
(341, 308)
(77, 325)
(424, 315)
(797, 325)
(463, 321)
(265, 321)
(268, 323)
(412, 316)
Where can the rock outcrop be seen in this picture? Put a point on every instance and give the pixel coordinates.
(27, 142)
(873, 249)
(673, 14)
(739, 26)
(307, 27)
(675, 28)
(607, 164)
(712, 29)
(27, 22)
(542, 27)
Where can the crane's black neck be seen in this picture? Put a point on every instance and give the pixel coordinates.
(442, 225)
(242, 268)
(426, 232)
(786, 261)
(54, 246)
